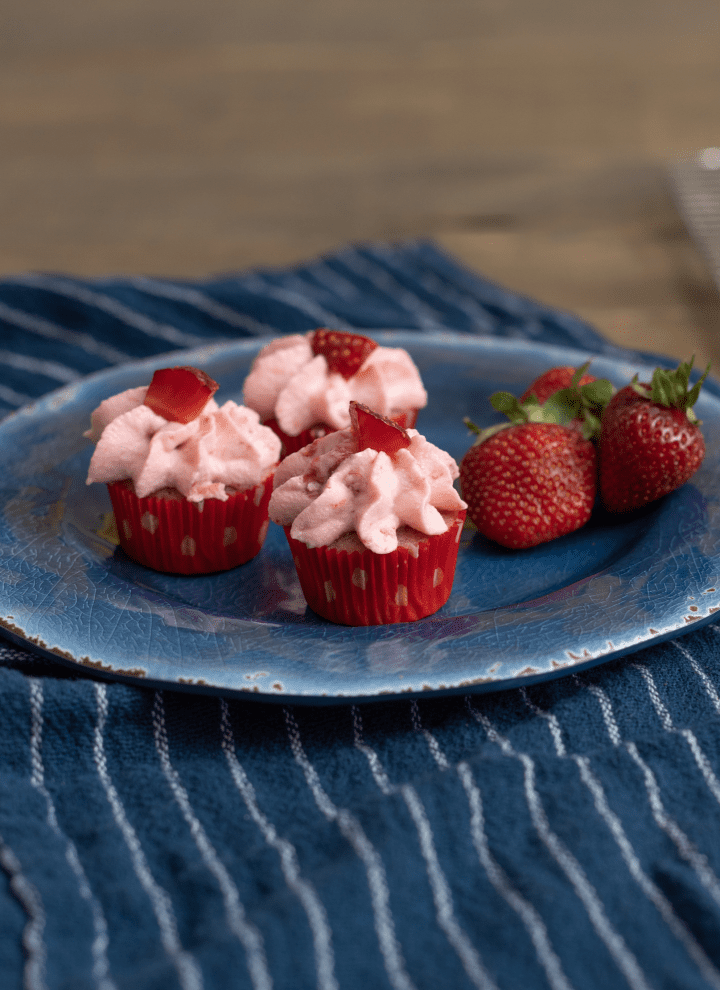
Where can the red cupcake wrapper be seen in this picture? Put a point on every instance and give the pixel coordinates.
(362, 588)
(179, 537)
(406, 419)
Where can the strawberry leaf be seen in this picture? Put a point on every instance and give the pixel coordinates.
(483, 435)
(669, 388)
(578, 373)
(597, 393)
(507, 404)
(663, 388)
(694, 392)
(590, 425)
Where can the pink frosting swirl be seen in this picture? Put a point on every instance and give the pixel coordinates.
(289, 383)
(331, 488)
(225, 446)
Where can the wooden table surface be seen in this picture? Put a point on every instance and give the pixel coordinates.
(533, 140)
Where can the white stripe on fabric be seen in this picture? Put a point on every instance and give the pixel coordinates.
(353, 831)
(27, 895)
(51, 331)
(333, 281)
(50, 369)
(296, 300)
(303, 889)
(243, 929)
(618, 949)
(687, 734)
(13, 398)
(687, 849)
(552, 722)
(187, 968)
(683, 844)
(707, 683)
(427, 317)
(529, 312)
(113, 307)
(653, 893)
(101, 965)
(441, 893)
(524, 909)
(434, 284)
(203, 302)
(607, 713)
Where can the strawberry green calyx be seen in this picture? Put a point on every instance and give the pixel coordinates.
(517, 412)
(584, 403)
(670, 388)
(482, 435)
(529, 411)
(580, 405)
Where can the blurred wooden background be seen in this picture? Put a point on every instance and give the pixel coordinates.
(532, 139)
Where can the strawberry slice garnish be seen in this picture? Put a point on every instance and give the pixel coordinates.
(344, 352)
(375, 431)
(179, 394)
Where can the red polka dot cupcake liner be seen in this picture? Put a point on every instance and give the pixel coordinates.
(292, 444)
(173, 535)
(362, 588)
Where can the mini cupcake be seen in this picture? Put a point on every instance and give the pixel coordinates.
(189, 481)
(372, 520)
(302, 385)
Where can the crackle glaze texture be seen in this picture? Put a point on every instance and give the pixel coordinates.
(512, 617)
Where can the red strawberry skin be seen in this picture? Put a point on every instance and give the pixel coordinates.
(530, 483)
(551, 381)
(344, 352)
(179, 394)
(646, 451)
(375, 431)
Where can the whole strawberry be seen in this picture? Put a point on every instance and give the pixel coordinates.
(528, 482)
(650, 439)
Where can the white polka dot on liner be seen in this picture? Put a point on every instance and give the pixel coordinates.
(329, 591)
(229, 536)
(126, 529)
(437, 577)
(263, 531)
(149, 522)
(359, 578)
(188, 546)
(401, 595)
(257, 498)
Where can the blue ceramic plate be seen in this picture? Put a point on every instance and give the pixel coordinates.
(513, 617)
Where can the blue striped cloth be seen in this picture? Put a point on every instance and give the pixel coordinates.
(565, 835)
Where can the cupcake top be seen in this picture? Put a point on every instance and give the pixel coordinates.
(337, 485)
(305, 379)
(220, 447)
